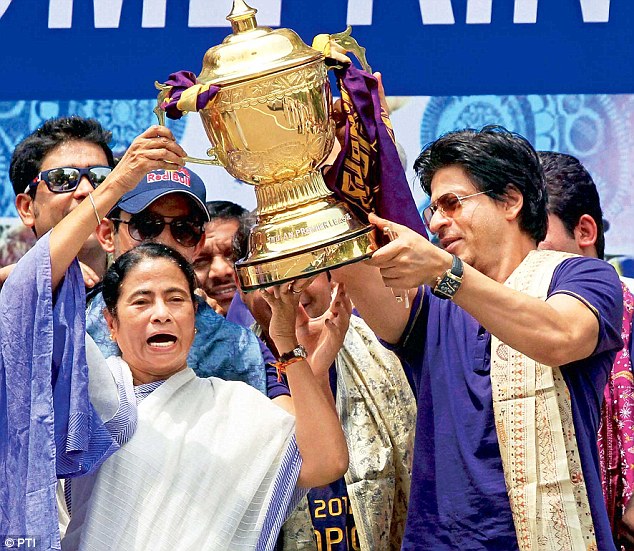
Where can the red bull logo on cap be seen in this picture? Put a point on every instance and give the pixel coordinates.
(179, 176)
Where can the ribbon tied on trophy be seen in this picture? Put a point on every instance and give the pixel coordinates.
(180, 94)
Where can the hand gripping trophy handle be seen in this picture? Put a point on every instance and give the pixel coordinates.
(159, 111)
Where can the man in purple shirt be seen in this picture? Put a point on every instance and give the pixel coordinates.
(488, 209)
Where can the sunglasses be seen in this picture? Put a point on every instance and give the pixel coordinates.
(147, 226)
(65, 179)
(447, 204)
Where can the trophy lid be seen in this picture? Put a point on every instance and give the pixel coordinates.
(253, 51)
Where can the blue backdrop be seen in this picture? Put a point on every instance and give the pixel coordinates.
(60, 49)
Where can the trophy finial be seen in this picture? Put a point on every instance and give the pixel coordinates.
(242, 17)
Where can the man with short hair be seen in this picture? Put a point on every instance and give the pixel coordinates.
(52, 170)
(214, 264)
(576, 225)
(169, 207)
(575, 217)
(510, 349)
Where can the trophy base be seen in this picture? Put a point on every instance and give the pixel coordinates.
(258, 273)
(302, 230)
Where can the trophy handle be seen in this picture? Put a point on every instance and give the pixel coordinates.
(349, 44)
(213, 159)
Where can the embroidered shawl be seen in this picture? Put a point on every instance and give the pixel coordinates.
(378, 412)
(536, 434)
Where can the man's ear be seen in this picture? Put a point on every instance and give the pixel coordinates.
(513, 202)
(25, 208)
(105, 235)
(586, 232)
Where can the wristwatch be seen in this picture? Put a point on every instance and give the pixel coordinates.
(448, 284)
(298, 352)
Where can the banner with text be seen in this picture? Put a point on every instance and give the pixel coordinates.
(557, 71)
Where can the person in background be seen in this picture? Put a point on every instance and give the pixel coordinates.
(70, 156)
(168, 207)
(214, 264)
(576, 225)
(15, 240)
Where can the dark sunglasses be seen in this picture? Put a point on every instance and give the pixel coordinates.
(148, 225)
(447, 204)
(65, 179)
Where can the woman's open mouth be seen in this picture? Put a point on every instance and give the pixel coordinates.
(162, 340)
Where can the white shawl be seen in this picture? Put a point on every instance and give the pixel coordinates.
(536, 433)
(197, 474)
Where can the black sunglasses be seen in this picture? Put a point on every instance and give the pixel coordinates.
(65, 179)
(149, 225)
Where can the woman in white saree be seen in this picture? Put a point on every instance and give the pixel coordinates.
(212, 464)
(204, 464)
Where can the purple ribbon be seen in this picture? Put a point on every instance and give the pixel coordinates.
(179, 82)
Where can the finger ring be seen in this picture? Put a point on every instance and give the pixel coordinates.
(293, 290)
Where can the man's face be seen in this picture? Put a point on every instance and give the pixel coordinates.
(474, 232)
(47, 209)
(169, 206)
(316, 297)
(558, 238)
(214, 265)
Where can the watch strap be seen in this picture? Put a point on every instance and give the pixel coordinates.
(298, 352)
(448, 284)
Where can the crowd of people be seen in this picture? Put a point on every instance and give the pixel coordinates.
(147, 403)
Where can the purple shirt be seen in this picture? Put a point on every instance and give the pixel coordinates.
(458, 495)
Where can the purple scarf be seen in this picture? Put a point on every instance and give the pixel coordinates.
(178, 82)
(48, 428)
(368, 173)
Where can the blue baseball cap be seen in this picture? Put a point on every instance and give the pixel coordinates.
(159, 183)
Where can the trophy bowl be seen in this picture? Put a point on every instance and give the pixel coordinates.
(270, 125)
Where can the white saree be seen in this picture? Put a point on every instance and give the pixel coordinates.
(199, 473)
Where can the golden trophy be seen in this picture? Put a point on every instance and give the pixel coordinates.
(270, 125)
